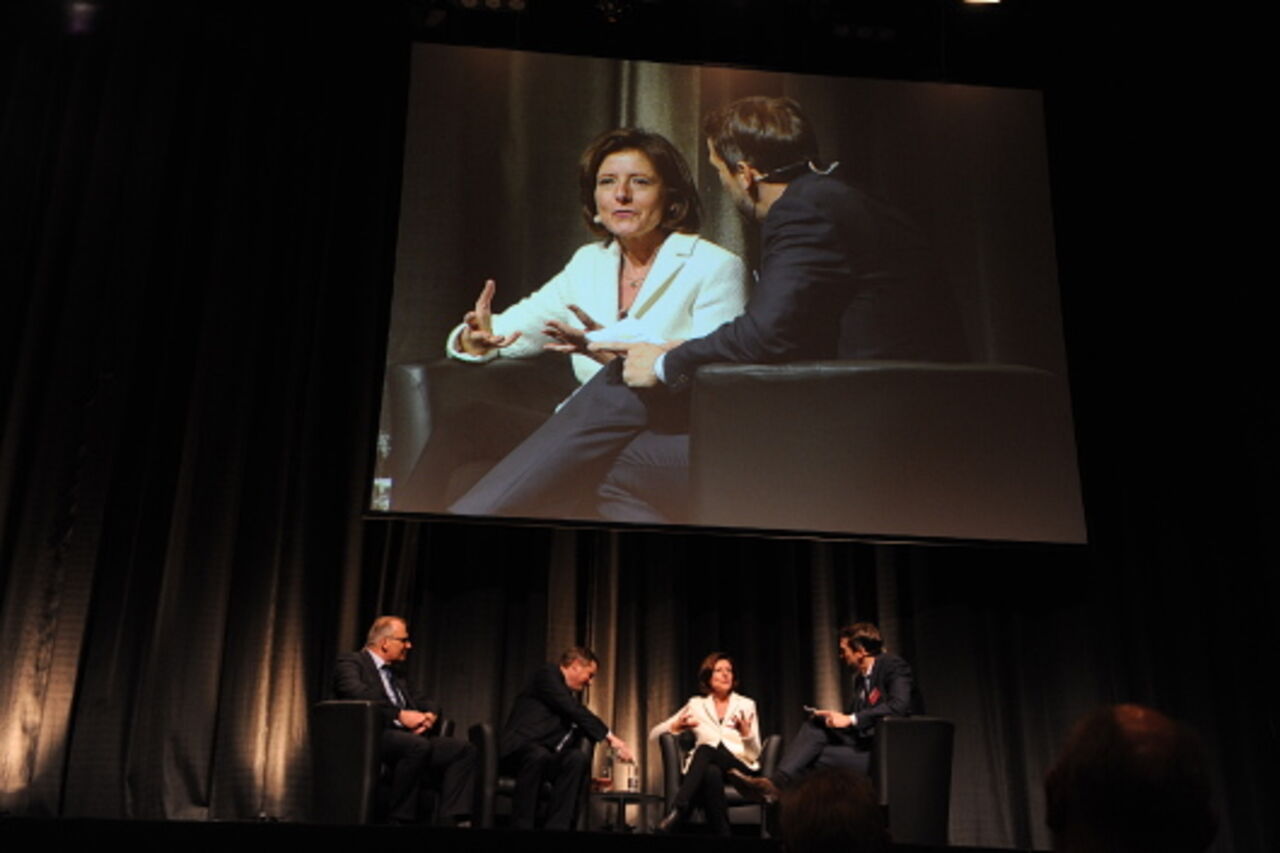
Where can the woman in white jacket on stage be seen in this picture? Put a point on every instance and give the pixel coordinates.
(727, 733)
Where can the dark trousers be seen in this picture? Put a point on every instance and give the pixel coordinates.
(816, 746)
(703, 785)
(558, 469)
(648, 482)
(446, 763)
(534, 764)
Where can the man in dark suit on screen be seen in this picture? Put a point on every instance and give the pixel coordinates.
(883, 686)
(541, 738)
(841, 275)
(414, 757)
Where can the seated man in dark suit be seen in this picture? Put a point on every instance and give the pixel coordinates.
(406, 747)
(841, 275)
(882, 687)
(539, 742)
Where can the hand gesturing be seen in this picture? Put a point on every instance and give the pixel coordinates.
(568, 339)
(477, 337)
(686, 720)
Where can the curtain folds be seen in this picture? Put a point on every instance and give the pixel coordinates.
(197, 215)
(184, 440)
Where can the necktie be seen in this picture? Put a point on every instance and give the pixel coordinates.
(390, 681)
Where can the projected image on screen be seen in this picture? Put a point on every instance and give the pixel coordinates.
(851, 285)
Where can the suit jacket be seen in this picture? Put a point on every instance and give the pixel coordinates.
(546, 710)
(693, 287)
(356, 677)
(891, 692)
(712, 732)
(842, 275)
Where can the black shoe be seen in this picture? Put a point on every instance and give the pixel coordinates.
(669, 822)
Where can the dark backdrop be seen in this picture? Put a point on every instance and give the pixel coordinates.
(197, 212)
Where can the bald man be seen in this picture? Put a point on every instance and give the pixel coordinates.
(406, 744)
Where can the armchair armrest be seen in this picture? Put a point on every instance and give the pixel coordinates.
(672, 759)
(911, 770)
(484, 738)
(345, 761)
(968, 451)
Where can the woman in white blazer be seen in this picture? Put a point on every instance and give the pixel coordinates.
(649, 277)
(727, 735)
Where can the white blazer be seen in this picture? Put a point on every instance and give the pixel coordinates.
(712, 731)
(693, 287)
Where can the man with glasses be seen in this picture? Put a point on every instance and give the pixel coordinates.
(407, 743)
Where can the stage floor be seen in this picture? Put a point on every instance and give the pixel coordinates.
(21, 833)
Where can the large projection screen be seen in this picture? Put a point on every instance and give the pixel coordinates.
(977, 450)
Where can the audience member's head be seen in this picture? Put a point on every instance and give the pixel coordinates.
(833, 811)
(1129, 780)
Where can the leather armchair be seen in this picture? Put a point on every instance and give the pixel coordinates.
(967, 451)
(345, 765)
(673, 749)
(911, 771)
(493, 788)
(348, 785)
(420, 396)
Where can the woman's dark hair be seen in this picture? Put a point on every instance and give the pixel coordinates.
(708, 666)
(683, 211)
(771, 134)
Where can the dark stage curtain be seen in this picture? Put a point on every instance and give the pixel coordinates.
(198, 211)
(197, 216)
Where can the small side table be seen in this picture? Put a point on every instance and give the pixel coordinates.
(623, 799)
